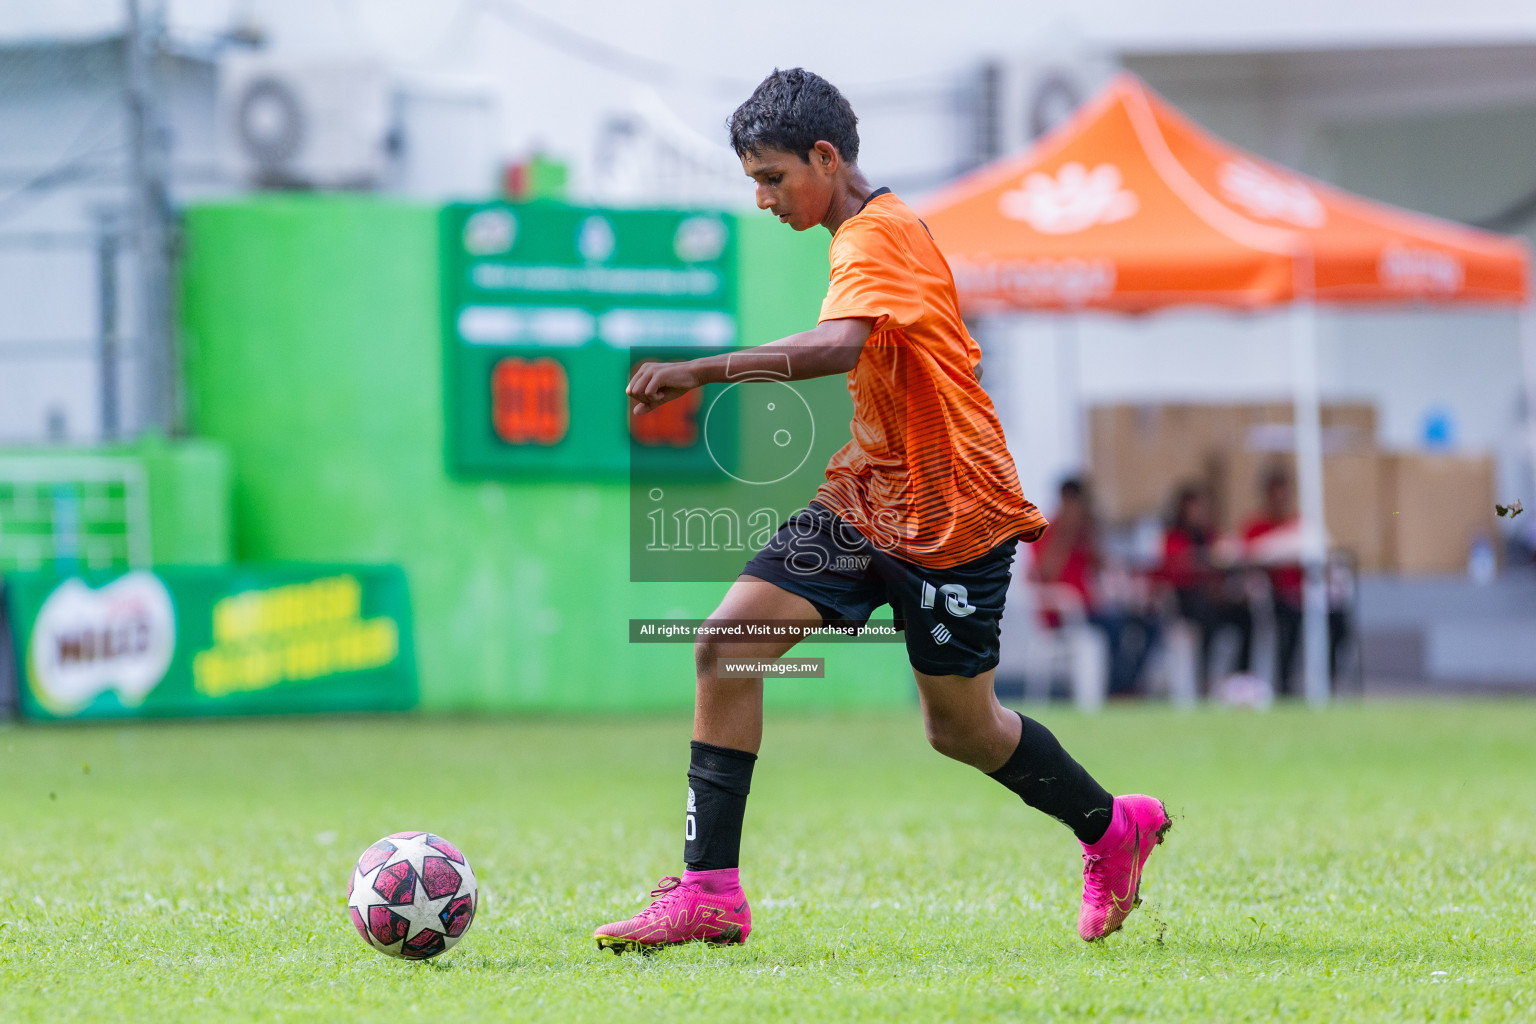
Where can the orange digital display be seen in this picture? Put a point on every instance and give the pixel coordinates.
(674, 425)
(530, 400)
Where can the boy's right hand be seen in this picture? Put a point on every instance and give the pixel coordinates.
(656, 384)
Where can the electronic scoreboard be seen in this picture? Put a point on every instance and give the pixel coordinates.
(546, 309)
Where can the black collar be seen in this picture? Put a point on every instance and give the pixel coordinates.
(877, 193)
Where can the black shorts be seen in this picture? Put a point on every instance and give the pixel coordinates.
(952, 617)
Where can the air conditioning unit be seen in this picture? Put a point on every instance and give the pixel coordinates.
(302, 123)
(1023, 97)
(448, 134)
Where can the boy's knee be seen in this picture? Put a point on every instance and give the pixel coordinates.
(949, 736)
(940, 739)
(706, 656)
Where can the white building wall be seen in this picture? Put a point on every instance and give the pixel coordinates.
(63, 166)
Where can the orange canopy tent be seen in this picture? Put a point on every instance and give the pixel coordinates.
(1131, 207)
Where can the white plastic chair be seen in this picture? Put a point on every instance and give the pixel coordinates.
(1180, 664)
(1075, 651)
(1180, 656)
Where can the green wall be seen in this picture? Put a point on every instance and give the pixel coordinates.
(189, 499)
(312, 334)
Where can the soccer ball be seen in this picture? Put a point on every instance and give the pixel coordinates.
(412, 895)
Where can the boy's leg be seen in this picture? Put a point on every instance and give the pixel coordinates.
(729, 712)
(707, 903)
(965, 721)
(728, 724)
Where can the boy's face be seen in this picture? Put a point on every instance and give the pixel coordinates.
(796, 191)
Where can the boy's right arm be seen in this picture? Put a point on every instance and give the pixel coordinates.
(831, 347)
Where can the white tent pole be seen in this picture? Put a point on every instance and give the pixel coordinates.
(1309, 487)
(1070, 380)
(1528, 364)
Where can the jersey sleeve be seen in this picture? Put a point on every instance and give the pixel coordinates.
(871, 277)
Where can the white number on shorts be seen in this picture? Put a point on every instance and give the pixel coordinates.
(956, 600)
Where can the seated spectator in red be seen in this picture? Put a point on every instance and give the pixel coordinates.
(1272, 535)
(1207, 594)
(1068, 554)
(1273, 538)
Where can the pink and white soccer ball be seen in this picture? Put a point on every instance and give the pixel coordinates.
(412, 895)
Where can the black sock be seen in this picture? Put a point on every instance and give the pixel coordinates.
(719, 779)
(1047, 779)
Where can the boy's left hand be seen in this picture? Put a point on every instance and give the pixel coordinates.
(656, 384)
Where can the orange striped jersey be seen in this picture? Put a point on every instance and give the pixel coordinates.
(927, 475)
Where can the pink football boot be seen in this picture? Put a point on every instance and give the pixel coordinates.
(1112, 866)
(700, 909)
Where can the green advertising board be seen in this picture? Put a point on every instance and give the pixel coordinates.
(212, 641)
(548, 307)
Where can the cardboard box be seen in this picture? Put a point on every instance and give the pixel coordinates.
(1139, 455)
(1433, 508)
(1346, 426)
(1352, 497)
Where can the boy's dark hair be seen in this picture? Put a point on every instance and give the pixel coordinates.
(793, 110)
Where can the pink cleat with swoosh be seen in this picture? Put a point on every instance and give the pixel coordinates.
(692, 910)
(1112, 866)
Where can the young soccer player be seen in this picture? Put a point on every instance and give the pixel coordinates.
(925, 489)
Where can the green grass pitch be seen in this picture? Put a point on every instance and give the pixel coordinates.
(1375, 862)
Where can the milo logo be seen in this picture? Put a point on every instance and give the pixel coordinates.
(85, 642)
